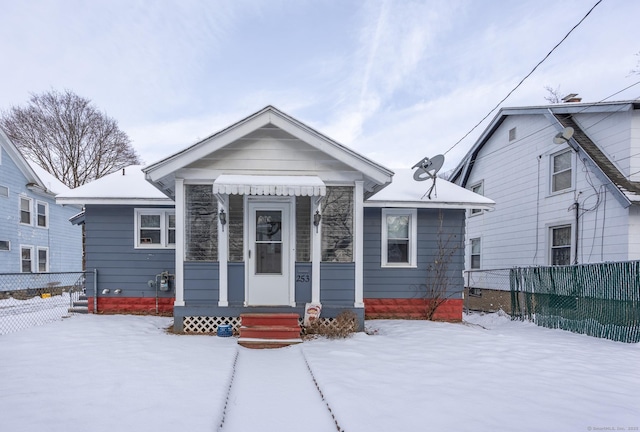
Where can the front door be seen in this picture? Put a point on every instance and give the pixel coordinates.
(269, 253)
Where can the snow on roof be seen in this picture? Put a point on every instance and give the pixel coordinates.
(49, 181)
(125, 186)
(404, 191)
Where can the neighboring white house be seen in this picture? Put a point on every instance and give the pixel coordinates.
(35, 233)
(557, 203)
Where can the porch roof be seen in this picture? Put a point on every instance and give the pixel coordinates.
(269, 185)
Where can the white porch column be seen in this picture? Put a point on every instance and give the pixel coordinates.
(223, 251)
(358, 242)
(316, 251)
(180, 224)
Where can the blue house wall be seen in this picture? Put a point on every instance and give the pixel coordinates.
(61, 238)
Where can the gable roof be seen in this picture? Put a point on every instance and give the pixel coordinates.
(38, 179)
(561, 116)
(161, 173)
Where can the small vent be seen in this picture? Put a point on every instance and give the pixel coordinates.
(512, 134)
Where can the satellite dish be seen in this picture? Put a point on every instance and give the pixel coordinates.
(564, 136)
(428, 168)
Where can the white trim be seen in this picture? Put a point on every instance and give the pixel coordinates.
(37, 215)
(477, 211)
(180, 247)
(316, 251)
(164, 228)
(38, 249)
(30, 200)
(358, 243)
(31, 250)
(114, 201)
(413, 237)
(428, 205)
(223, 252)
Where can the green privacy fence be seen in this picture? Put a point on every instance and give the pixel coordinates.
(600, 300)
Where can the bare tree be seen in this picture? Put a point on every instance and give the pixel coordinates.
(553, 94)
(66, 135)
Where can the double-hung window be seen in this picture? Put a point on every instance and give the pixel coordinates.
(479, 189)
(560, 248)
(42, 214)
(155, 228)
(399, 234)
(25, 210)
(43, 260)
(26, 259)
(475, 253)
(561, 171)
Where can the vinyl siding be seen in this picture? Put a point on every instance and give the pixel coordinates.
(385, 282)
(110, 250)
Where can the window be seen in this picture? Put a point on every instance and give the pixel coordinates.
(4, 191)
(561, 171)
(201, 223)
(155, 228)
(26, 259)
(25, 210)
(42, 216)
(512, 134)
(5, 245)
(337, 224)
(560, 245)
(479, 189)
(475, 253)
(399, 233)
(43, 260)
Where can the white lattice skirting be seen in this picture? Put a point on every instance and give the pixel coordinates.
(206, 324)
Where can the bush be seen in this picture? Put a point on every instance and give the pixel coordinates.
(345, 323)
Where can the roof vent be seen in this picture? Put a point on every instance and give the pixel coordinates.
(571, 97)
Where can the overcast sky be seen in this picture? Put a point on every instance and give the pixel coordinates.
(393, 80)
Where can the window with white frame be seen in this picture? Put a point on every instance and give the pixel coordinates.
(561, 171)
(42, 214)
(475, 253)
(399, 237)
(479, 189)
(560, 245)
(5, 245)
(155, 228)
(4, 191)
(25, 210)
(43, 260)
(26, 259)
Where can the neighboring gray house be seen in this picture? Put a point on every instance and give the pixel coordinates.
(266, 216)
(561, 202)
(35, 233)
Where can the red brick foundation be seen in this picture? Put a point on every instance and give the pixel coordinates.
(133, 305)
(450, 310)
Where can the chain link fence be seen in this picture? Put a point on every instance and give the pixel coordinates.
(600, 300)
(32, 299)
(487, 290)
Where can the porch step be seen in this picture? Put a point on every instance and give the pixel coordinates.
(260, 330)
(80, 306)
(78, 309)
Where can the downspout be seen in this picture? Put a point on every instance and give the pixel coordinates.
(576, 207)
(95, 291)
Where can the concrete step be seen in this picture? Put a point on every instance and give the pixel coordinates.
(258, 343)
(82, 297)
(78, 309)
(81, 303)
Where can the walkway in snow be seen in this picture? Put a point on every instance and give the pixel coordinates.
(273, 390)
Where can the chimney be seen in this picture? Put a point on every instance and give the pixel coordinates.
(571, 97)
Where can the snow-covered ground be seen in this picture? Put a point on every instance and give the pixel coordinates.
(125, 373)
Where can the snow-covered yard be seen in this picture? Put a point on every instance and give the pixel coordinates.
(125, 373)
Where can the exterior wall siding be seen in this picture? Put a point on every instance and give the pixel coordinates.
(517, 175)
(61, 238)
(400, 292)
(110, 250)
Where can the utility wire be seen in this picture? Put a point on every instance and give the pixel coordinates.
(527, 76)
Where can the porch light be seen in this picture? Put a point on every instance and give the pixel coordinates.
(222, 216)
(316, 219)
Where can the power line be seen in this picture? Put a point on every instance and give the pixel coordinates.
(527, 76)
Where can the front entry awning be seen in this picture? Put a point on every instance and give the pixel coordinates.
(269, 185)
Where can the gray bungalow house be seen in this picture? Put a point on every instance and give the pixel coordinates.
(268, 215)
